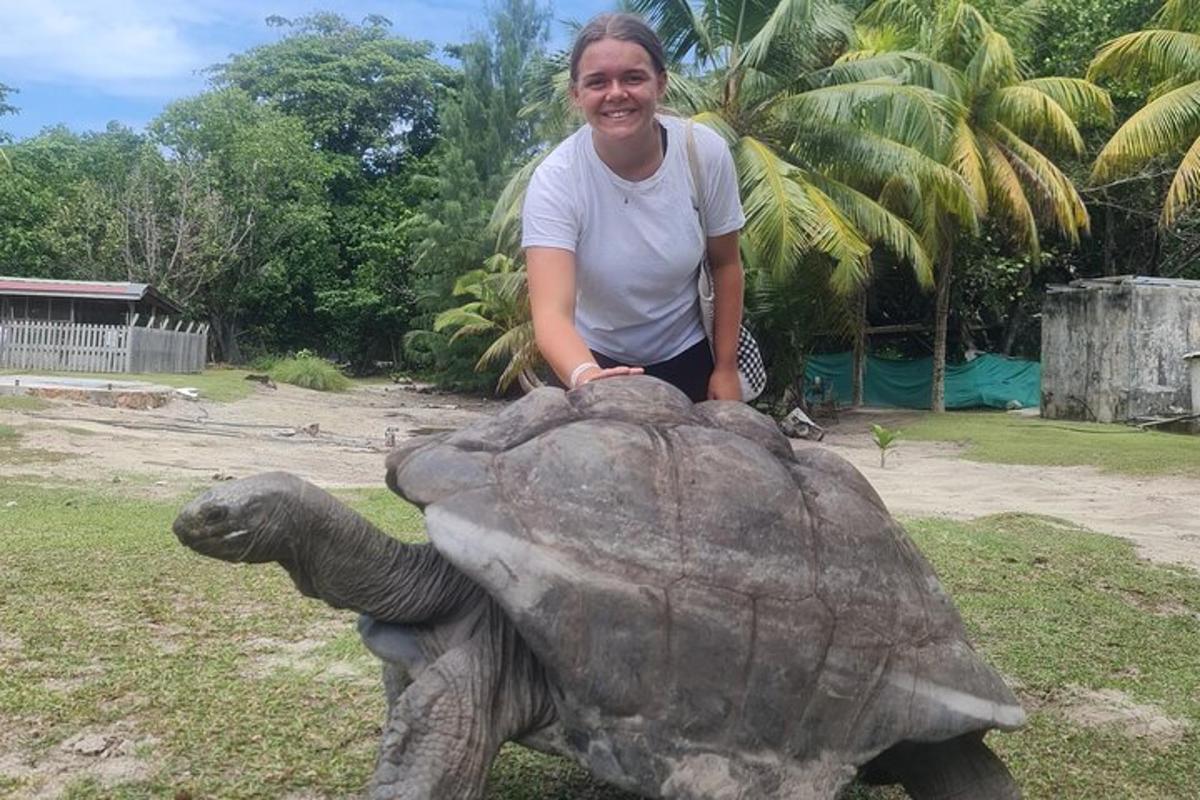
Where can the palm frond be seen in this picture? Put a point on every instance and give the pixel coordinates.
(1165, 125)
(1080, 98)
(796, 23)
(1185, 186)
(1037, 116)
(687, 95)
(837, 236)
(958, 34)
(714, 120)
(907, 66)
(682, 29)
(505, 222)
(880, 226)
(901, 14)
(994, 64)
(1008, 197)
(1180, 15)
(912, 115)
(778, 213)
(865, 160)
(1023, 21)
(1149, 55)
(967, 161)
(1057, 193)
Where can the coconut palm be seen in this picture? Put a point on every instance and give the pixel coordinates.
(1002, 142)
(1167, 56)
(500, 308)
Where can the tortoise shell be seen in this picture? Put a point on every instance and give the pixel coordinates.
(706, 601)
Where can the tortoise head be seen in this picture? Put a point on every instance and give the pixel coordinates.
(234, 521)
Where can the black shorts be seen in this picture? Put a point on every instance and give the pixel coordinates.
(689, 371)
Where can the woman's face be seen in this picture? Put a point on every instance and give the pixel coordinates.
(618, 89)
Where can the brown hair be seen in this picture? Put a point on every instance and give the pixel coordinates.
(622, 27)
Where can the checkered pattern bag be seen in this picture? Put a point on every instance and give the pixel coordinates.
(751, 370)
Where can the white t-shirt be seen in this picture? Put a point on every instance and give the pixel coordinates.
(637, 244)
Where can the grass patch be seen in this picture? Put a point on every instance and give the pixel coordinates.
(220, 384)
(11, 451)
(310, 372)
(1003, 438)
(22, 402)
(107, 623)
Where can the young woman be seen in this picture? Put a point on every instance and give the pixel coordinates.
(612, 236)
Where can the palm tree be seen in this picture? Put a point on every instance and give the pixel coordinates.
(1166, 55)
(1001, 141)
(500, 308)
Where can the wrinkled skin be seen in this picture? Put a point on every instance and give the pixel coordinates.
(801, 637)
(448, 638)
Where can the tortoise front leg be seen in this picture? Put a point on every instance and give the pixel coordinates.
(445, 728)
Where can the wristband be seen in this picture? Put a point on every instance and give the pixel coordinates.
(577, 373)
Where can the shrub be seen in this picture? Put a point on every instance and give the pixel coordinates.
(310, 372)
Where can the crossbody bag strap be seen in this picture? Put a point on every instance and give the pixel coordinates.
(697, 180)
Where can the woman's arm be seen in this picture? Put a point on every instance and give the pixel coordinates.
(551, 275)
(725, 259)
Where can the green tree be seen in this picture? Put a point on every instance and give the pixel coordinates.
(485, 136)
(1001, 144)
(360, 91)
(62, 203)
(370, 102)
(256, 205)
(1165, 56)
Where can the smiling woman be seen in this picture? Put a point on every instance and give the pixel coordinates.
(613, 231)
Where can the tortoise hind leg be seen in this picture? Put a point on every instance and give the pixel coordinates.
(963, 768)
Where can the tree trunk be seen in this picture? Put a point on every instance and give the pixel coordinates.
(225, 331)
(937, 399)
(1016, 310)
(860, 347)
(1110, 240)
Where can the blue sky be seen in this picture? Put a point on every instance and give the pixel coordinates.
(83, 63)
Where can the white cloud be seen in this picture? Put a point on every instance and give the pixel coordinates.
(113, 45)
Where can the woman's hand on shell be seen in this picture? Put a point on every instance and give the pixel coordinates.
(611, 372)
(724, 384)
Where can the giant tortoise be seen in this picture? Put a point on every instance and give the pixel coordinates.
(665, 592)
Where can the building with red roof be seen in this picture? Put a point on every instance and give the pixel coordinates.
(82, 302)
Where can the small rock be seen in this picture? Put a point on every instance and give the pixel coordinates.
(222, 476)
(89, 745)
(160, 483)
(312, 428)
(11, 504)
(116, 478)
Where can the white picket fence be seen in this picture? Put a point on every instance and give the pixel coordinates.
(68, 347)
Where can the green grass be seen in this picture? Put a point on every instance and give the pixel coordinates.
(107, 623)
(22, 402)
(310, 372)
(1005, 438)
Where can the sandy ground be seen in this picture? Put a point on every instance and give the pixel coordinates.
(341, 440)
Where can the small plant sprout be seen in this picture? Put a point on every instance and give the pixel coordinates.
(885, 440)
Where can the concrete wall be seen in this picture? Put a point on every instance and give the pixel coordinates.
(1114, 351)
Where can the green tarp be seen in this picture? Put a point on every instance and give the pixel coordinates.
(989, 381)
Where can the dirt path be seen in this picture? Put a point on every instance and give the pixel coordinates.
(340, 440)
